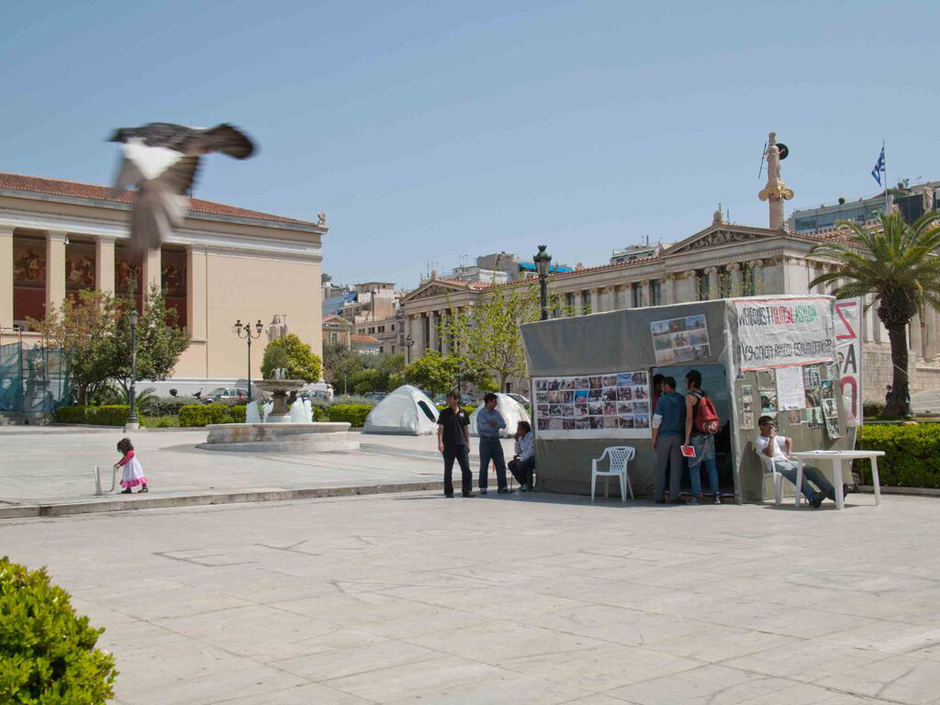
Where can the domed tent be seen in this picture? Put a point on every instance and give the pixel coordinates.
(406, 411)
(512, 412)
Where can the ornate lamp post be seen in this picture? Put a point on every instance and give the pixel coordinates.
(409, 341)
(243, 330)
(133, 423)
(543, 262)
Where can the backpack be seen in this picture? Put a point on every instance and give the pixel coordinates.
(706, 418)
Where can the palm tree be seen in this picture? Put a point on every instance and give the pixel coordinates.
(898, 264)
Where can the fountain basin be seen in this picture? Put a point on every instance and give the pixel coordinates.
(321, 437)
(283, 393)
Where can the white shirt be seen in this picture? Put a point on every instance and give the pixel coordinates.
(525, 446)
(779, 442)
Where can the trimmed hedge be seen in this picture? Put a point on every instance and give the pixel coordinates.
(912, 455)
(205, 414)
(109, 415)
(355, 414)
(166, 406)
(47, 652)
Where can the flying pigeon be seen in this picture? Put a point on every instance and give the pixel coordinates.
(162, 159)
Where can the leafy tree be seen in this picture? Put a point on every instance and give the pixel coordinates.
(435, 372)
(82, 327)
(339, 362)
(160, 339)
(368, 380)
(325, 278)
(899, 266)
(301, 361)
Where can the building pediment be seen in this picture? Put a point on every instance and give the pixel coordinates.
(720, 235)
(432, 289)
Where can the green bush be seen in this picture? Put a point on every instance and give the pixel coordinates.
(300, 361)
(47, 652)
(912, 454)
(110, 415)
(165, 406)
(205, 414)
(355, 414)
(237, 413)
(168, 421)
(873, 409)
(71, 414)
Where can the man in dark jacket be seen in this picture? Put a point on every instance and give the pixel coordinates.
(453, 440)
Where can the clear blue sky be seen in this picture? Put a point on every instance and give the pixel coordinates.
(431, 130)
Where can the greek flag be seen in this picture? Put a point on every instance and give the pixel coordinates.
(879, 167)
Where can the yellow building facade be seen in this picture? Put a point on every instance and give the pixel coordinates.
(225, 264)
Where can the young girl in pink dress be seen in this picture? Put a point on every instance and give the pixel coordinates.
(133, 472)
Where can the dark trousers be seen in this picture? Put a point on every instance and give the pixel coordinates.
(522, 470)
(491, 450)
(462, 456)
(668, 462)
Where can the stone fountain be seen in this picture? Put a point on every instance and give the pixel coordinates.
(287, 426)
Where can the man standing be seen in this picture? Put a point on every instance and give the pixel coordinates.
(668, 432)
(453, 440)
(489, 421)
(778, 448)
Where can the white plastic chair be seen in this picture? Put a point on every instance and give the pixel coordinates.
(619, 456)
(769, 469)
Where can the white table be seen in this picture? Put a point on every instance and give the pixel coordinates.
(838, 458)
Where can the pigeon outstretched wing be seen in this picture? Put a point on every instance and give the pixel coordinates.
(162, 159)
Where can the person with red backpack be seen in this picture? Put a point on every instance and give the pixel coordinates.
(701, 425)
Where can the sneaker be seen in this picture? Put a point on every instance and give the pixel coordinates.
(483, 490)
(449, 496)
(523, 488)
(716, 499)
(693, 501)
(504, 490)
(846, 489)
(127, 491)
(469, 494)
(142, 490)
(817, 499)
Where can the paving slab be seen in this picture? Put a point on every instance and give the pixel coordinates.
(414, 598)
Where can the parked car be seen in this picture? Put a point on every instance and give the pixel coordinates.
(227, 395)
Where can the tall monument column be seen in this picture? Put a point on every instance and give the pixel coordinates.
(776, 191)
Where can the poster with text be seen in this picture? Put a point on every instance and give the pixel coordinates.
(848, 327)
(784, 332)
(679, 340)
(614, 405)
(790, 389)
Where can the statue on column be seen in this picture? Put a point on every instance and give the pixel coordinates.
(776, 191)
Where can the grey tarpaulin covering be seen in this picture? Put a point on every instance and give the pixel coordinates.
(620, 341)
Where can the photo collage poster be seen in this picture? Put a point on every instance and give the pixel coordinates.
(615, 405)
(819, 408)
(679, 340)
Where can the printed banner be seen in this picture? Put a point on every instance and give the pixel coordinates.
(784, 332)
(615, 405)
(848, 326)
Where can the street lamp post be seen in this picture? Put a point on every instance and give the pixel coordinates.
(243, 330)
(133, 423)
(543, 262)
(409, 341)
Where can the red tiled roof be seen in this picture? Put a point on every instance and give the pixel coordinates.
(58, 187)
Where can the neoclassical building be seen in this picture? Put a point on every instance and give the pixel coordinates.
(722, 260)
(225, 264)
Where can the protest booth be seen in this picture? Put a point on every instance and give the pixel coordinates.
(591, 384)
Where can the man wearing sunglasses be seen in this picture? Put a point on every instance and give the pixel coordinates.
(778, 448)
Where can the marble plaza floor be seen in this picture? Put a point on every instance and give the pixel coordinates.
(413, 598)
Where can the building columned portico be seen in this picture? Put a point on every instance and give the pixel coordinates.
(226, 263)
(723, 260)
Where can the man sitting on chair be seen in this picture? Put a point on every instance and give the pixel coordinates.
(523, 464)
(769, 443)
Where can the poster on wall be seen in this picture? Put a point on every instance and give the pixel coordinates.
(614, 405)
(784, 332)
(848, 328)
(747, 407)
(678, 340)
(790, 390)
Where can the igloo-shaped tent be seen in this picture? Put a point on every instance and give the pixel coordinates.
(512, 412)
(407, 411)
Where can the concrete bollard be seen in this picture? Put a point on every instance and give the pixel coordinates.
(98, 491)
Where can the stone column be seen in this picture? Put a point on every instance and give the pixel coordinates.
(597, 304)
(55, 269)
(445, 334)
(930, 344)
(713, 290)
(668, 288)
(917, 345)
(151, 272)
(736, 281)
(196, 276)
(6, 277)
(757, 278)
(616, 296)
(104, 264)
(435, 339)
(645, 299)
